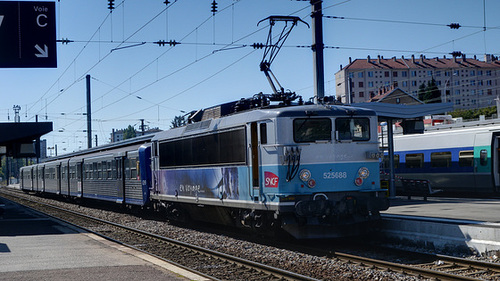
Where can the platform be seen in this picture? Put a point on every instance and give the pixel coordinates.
(463, 225)
(36, 247)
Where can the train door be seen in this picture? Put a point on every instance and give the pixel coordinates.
(120, 178)
(486, 170)
(495, 157)
(259, 138)
(58, 178)
(255, 162)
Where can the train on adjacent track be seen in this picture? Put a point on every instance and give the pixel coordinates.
(310, 170)
(455, 159)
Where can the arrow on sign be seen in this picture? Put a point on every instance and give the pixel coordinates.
(44, 53)
(1, 19)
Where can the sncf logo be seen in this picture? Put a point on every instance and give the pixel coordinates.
(270, 179)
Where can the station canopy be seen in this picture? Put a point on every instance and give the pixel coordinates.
(17, 139)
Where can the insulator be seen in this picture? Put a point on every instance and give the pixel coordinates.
(111, 5)
(454, 25)
(214, 7)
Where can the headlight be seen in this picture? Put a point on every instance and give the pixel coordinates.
(305, 175)
(311, 183)
(363, 172)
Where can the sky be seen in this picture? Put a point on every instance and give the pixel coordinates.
(132, 78)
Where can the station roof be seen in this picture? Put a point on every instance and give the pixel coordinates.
(14, 132)
(401, 111)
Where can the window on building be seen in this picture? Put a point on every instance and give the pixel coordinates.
(447, 73)
(438, 73)
(473, 82)
(438, 83)
(404, 74)
(480, 82)
(360, 84)
(351, 75)
(473, 92)
(394, 74)
(413, 73)
(472, 73)
(488, 83)
(370, 84)
(456, 72)
(360, 74)
(414, 83)
(370, 73)
(429, 73)
(457, 83)
(457, 92)
(361, 94)
(405, 83)
(490, 92)
(488, 72)
(479, 73)
(386, 73)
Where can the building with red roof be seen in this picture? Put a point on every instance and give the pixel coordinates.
(466, 82)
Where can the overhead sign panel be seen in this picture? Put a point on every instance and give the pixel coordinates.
(27, 34)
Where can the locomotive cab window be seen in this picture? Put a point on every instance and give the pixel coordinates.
(355, 129)
(312, 129)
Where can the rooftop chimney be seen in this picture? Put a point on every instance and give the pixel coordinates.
(413, 58)
(350, 60)
(368, 58)
(379, 59)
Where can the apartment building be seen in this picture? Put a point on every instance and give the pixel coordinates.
(466, 82)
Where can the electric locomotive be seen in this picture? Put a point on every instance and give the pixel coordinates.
(312, 170)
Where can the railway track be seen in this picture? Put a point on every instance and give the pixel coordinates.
(205, 262)
(419, 265)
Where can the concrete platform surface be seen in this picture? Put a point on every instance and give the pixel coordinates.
(459, 225)
(34, 247)
(483, 210)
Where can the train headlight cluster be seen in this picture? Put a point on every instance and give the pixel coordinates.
(363, 173)
(305, 176)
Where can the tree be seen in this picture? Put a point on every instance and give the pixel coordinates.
(432, 92)
(469, 114)
(178, 121)
(129, 132)
(421, 91)
(429, 93)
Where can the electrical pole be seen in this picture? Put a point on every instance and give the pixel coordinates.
(317, 47)
(142, 127)
(89, 122)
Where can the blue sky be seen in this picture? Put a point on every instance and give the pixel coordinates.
(210, 66)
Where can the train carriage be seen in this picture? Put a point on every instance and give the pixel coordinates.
(463, 159)
(27, 178)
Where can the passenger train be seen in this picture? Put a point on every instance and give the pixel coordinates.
(454, 159)
(311, 170)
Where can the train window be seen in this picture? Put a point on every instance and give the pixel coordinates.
(94, 171)
(222, 148)
(133, 168)
(415, 160)
(483, 157)
(263, 133)
(466, 158)
(312, 129)
(109, 172)
(355, 129)
(441, 159)
(386, 161)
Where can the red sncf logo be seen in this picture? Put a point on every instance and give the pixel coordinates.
(270, 179)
